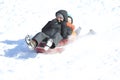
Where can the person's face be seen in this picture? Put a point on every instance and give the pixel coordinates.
(60, 19)
(69, 20)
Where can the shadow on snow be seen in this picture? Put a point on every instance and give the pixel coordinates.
(20, 51)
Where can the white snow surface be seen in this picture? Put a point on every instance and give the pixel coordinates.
(91, 57)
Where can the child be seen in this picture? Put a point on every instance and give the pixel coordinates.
(52, 33)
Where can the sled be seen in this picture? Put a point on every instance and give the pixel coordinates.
(50, 51)
(60, 47)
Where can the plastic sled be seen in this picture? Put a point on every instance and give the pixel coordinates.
(62, 43)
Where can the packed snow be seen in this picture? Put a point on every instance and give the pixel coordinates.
(90, 57)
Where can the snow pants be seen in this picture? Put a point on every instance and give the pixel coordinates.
(39, 37)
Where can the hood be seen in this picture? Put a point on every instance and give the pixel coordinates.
(64, 13)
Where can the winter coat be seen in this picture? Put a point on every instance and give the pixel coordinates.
(51, 28)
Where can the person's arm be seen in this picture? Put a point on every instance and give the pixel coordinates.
(65, 30)
(46, 26)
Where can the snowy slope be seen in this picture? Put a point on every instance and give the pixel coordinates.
(92, 57)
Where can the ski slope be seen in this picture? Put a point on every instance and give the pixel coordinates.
(91, 57)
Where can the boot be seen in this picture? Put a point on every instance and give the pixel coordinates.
(31, 43)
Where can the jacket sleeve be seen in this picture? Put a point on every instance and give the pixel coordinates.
(65, 31)
(46, 26)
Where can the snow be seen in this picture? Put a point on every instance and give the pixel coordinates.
(91, 57)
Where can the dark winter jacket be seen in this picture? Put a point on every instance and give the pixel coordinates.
(51, 28)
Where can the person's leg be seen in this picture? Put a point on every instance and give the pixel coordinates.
(36, 40)
(56, 39)
(39, 37)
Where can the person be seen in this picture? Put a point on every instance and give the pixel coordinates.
(52, 33)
